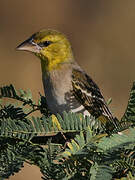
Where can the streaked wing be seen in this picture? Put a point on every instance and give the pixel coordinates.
(89, 95)
(74, 105)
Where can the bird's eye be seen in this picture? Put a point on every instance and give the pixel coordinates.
(45, 43)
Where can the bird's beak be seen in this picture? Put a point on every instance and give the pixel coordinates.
(30, 46)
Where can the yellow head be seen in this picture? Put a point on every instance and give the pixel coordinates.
(51, 47)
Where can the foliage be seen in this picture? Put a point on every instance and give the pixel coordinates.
(64, 147)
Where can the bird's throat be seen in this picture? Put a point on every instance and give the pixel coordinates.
(48, 66)
(44, 66)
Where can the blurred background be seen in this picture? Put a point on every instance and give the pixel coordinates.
(102, 34)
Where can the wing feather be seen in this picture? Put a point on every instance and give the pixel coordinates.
(89, 95)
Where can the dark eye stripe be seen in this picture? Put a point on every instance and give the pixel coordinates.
(45, 43)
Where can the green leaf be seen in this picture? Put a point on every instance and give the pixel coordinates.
(116, 141)
(100, 172)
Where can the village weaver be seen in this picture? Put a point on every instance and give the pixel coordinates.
(67, 86)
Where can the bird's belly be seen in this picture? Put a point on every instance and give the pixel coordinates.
(68, 104)
(57, 105)
(60, 99)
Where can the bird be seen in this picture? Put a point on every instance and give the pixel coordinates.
(66, 85)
